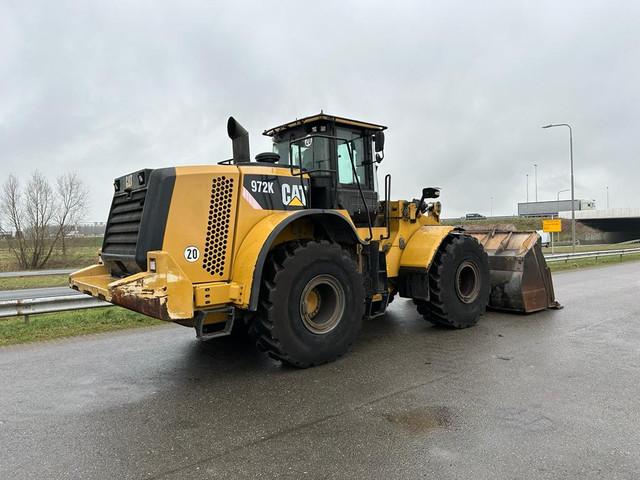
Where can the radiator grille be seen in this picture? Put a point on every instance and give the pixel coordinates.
(218, 231)
(121, 234)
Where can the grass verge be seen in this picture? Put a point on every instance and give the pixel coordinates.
(81, 252)
(68, 324)
(591, 262)
(34, 282)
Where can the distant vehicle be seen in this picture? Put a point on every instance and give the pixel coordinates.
(545, 237)
(474, 216)
(552, 207)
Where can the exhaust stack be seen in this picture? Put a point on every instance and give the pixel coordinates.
(240, 139)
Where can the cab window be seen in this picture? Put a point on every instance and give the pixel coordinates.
(310, 153)
(350, 144)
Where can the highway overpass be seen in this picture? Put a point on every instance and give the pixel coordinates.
(618, 224)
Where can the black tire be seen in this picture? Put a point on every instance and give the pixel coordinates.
(241, 329)
(459, 284)
(300, 276)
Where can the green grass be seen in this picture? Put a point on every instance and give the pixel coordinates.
(34, 282)
(520, 223)
(80, 253)
(591, 262)
(69, 324)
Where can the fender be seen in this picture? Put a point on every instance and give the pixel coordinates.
(422, 247)
(255, 247)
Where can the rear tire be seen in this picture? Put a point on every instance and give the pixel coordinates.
(311, 303)
(459, 284)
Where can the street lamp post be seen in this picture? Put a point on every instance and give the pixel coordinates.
(527, 188)
(607, 197)
(558, 208)
(573, 199)
(535, 176)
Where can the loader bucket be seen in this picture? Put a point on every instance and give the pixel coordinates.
(520, 278)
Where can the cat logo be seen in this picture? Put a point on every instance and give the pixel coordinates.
(293, 195)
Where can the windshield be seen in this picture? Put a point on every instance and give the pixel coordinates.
(310, 153)
(313, 153)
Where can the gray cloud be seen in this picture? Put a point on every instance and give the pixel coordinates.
(107, 88)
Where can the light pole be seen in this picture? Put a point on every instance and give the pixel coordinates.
(535, 176)
(527, 188)
(573, 199)
(607, 197)
(558, 208)
(491, 207)
(558, 197)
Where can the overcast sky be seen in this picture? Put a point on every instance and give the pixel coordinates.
(106, 88)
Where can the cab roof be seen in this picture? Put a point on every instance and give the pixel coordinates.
(340, 121)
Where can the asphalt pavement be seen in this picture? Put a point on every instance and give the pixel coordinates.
(550, 395)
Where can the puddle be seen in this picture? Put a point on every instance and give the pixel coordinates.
(422, 419)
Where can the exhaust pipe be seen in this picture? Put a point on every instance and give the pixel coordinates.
(240, 139)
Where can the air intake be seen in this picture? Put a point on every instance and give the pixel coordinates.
(219, 228)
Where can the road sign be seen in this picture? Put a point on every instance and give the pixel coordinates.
(553, 225)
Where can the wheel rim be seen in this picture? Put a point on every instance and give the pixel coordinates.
(322, 304)
(467, 281)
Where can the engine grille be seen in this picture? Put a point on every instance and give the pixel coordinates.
(218, 226)
(121, 234)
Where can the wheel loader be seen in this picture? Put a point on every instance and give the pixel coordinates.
(298, 246)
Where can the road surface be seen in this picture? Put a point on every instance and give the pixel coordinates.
(551, 395)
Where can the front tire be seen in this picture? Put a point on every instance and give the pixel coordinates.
(459, 284)
(311, 303)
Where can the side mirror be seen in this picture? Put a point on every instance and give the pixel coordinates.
(430, 192)
(378, 138)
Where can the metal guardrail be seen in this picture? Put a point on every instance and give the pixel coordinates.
(565, 257)
(32, 306)
(36, 273)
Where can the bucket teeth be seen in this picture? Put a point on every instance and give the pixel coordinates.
(520, 278)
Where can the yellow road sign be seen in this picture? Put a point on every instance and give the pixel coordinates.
(553, 225)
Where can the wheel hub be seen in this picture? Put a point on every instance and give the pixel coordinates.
(467, 281)
(322, 304)
(312, 303)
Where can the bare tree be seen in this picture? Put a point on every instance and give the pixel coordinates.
(41, 216)
(39, 211)
(73, 197)
(11, 209)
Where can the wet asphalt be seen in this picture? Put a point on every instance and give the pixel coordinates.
(550, 395)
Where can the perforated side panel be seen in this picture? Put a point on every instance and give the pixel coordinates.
(218, 229)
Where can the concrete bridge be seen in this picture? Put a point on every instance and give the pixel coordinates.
(618, 224)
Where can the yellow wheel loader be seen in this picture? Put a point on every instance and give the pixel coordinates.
(297, 247)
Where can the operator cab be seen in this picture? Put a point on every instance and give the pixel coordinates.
(340, 156)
